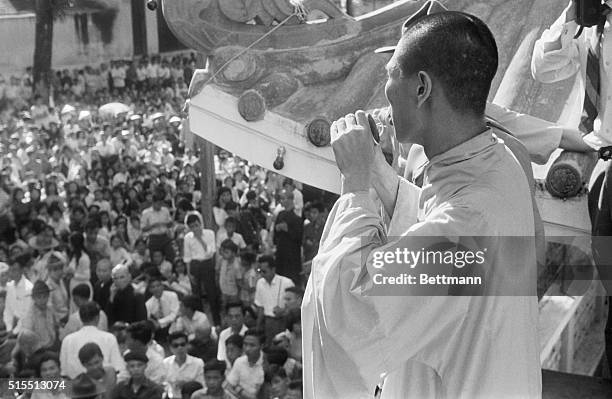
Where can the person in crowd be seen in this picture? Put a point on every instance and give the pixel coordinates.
(124, 303)
(18, 292)
(247, 374)
(214, 377)
(92, 360)
(97, 247)
(78, 270)
(234, 348)
(189, 317)
(189, 388)
(313, 230)
(234, 318)
(229, 232)
(230, 272)
(40, 318)
(180, 366)
(139, 338)
(163, 306)
(269, 298)
(249, 277)
(49, 370)
(102, 288)
(180, 281)
(198, 253)
(156, 222)
(118, 253)
(203, 345)
(288, 231)
(138, 386)
(81, 294)
(59, 296)
(89, 313)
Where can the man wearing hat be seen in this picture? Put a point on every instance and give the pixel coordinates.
(83, 387)
(40, 318)
(429, 344)
(138, 386)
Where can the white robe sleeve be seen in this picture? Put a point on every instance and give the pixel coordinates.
(370, 335)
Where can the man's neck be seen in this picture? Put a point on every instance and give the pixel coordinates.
(256, 358)
(464, 127)
(237, 329)
(180, 360)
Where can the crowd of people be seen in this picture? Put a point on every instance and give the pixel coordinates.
(109, 276)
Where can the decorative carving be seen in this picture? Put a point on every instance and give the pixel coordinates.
(318, 131)
(569, 173)
(251, 106)
(243, 71)
(277, 87)
(239, 10)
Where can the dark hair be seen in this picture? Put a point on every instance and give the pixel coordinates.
(45, 357)
(191, 301)
(298, 292)
(269, 259)
(215, 365)
(77, 241)
(176, 335)
(456, 48)
(190, 387)
(222, 191)
(82, 291)
(252, 332)
(275, 370)
(140, 331)
(89, 311)
(276, 355)
(234, 304)
(89, 351)
(192, 219)
(231, 219)
(248, 257)
(236, 340)
(229, 244)
(294, 316)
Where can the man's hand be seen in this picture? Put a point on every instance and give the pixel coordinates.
(353, 145)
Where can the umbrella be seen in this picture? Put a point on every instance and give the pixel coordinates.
(113, 109)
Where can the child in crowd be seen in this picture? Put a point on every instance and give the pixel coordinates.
(231, 223)
(230, 273)
(181, 282)
(118, 253)
(249, 278)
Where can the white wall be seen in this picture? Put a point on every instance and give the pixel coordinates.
(17, 41)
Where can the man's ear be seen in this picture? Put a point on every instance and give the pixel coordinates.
(423, 87)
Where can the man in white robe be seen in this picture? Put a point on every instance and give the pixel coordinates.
(431, 346)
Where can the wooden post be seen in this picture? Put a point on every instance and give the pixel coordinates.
(208, 185)
(207, 182)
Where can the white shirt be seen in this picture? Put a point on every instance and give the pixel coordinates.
(191, 370)
(169, 304)
(18, 302)
(72, 343)
(193, 249)
(249, 378)
(188, 325)
(156, 369)
(236, 239)
(150, 217)
(550, 64)
(74, 324)
(225, 334)
(268, 296)
(472, 347)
